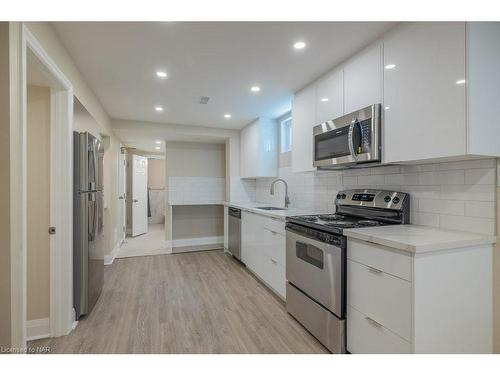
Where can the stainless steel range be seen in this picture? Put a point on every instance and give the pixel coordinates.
(316, 259)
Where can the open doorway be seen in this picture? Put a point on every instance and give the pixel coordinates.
(46, 299)
(145, 205)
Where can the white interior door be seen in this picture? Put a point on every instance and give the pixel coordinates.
(122, 193)
(139, 195)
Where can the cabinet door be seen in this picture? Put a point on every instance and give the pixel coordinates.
(424, 99)
(303, 120)
(330, 97)
(249, 151)
(252, 242)
(363, 79)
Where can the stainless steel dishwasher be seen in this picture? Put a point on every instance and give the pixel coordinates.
(234, 235)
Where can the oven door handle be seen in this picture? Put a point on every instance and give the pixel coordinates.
(350, 139)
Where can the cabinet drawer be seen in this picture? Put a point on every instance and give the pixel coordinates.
(380, 257)
(274, 225)
(380, 296)
(367, 337)
(274, 258)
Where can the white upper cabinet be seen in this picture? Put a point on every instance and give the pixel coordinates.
(439, 85)
(424, 105)
(483, 88)
(330, 96)
(303, 120)
(259, 149)
(363, 79)
(434, 106)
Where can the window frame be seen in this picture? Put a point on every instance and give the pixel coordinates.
(282, 119)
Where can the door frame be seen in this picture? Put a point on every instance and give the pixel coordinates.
(122, 187)
(61, 318)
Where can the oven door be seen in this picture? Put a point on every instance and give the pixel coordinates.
(317, 269)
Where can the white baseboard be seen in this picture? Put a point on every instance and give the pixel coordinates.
(37, 329)
(109, 258)
(200, 241)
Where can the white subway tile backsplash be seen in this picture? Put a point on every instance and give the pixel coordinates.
(468, 164)
(371, 180)
(442, 206)
(456, 195)
(392, 169)
(467, 224)
(350, 180)
(423, 218)
(402, 179)
(485, 193)
(480, 209)
(196, 189)
(481, 176)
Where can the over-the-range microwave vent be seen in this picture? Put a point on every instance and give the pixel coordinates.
(204, 99)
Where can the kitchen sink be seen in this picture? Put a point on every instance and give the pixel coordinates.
(270, 208)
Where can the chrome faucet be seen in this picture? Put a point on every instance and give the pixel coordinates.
(287, 198)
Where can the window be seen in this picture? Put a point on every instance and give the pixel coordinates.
(286, 133)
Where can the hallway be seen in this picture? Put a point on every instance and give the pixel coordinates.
(150, 243)
(202, 302)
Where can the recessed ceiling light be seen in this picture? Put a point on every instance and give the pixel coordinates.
(390, 66)
(158, 148)
(324, 99)
(255, 88)
(159, 108)
(387, 107)
(460, 82)
(158, 142)
(299, 45)
(161, 74)
(227, 115)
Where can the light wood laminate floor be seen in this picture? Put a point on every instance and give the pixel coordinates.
(202, 302)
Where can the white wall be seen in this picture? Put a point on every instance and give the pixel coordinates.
(38, 202)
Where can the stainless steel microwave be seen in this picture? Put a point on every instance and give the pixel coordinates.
(349, 140)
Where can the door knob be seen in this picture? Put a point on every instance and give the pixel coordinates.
(135, 200)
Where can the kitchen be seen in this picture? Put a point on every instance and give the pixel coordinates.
(357, 213)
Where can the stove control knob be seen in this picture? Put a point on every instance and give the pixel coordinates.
(387, 198)
(395, 200)
(343, 196)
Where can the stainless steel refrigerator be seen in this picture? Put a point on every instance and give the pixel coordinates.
(88, 254)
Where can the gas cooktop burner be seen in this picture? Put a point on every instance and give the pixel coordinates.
(332, 217)
(339, 223)
(369, 223)
(309, 218)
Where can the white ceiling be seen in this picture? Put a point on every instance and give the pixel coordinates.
(219, 60)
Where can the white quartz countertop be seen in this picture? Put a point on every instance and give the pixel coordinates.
(279, 214)
(417, 238)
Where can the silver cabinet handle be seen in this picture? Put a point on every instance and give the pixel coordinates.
(374, 270)
(272, 231)
(274, 261)
(373, 322)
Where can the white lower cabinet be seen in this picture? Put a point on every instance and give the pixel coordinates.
(367, 336)
(263, 249)
(429, 302)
